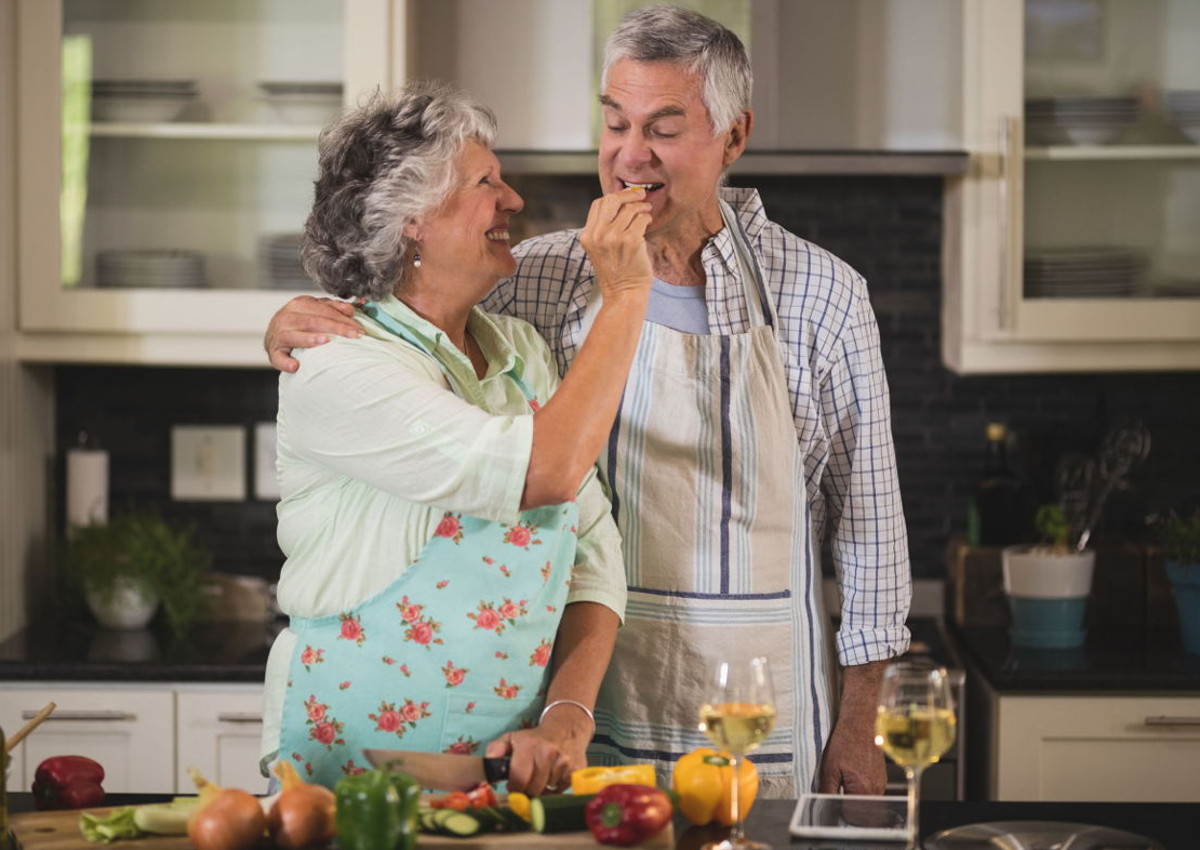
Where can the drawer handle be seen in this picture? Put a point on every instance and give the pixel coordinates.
(81, 715)
(240, 717)
(1167, 720)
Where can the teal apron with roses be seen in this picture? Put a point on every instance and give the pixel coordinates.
(452, 654)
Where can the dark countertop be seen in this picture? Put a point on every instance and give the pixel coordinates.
(1114, 658)
(1174, 825)
(210, 652)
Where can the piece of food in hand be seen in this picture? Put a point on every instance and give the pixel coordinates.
(303, 815)
(589, 780)
(703, 781)
(377, 810)
(68, 782)
(624, 815)
(226, 818)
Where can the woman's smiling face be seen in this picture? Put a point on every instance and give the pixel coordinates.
(468, 234)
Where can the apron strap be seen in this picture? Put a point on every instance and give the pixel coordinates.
(374, 311)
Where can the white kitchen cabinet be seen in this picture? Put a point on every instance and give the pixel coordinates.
(218, 729)
(145, 735)
(1075, 257)
(129, 729)
(215, 183)
(1102, 748)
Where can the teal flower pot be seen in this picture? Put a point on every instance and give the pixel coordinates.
(1185, 587)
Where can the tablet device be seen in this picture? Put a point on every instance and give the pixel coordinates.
(850, 817)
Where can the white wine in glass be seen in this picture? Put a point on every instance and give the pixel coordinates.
(915, 724)
(737, 716)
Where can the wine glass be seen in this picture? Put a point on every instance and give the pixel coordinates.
(737, 715)
(915, 724)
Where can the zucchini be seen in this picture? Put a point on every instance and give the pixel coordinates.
(455, 822)
(559, 812)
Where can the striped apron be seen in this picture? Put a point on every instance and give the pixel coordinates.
(708, 489)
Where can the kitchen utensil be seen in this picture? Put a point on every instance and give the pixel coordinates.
(1124, 448)
(1038, 835)
(34, 722)
(441, 770)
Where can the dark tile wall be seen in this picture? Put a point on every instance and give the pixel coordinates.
(889, 228)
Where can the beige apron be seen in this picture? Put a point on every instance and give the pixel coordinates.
(708, 490)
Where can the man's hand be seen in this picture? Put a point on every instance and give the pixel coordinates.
(305, 322)
(852, 764)
(542, 758)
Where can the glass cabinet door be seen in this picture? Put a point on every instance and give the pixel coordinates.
(167, 152)
(1111, 171)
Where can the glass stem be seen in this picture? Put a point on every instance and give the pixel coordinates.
(914, 833)
(736, 834)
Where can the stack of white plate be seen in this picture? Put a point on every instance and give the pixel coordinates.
(1183, 110)
(171, 267)
(281, 262)
(141, 100)
(303, 102)
(1083, 273)
(1078, 120)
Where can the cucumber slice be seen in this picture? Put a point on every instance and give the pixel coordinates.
(559, 812)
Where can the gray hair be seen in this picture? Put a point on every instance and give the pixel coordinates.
(381, 166)
(698, 43)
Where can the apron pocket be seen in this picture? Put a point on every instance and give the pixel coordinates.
(471, 720)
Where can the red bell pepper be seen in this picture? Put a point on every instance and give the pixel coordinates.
(68, 782)
(625, 815)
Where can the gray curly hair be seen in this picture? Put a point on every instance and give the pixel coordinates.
(381, 166)
(698, 43)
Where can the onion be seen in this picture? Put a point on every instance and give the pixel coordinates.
(303, 814)
(232, 820)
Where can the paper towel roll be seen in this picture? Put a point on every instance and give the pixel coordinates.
(87, 487)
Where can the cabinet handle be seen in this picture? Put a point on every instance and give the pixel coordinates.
(1009, 135)
(240, 717)
(81, 715)
(1168, 720)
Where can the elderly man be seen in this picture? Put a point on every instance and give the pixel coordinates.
(755, 423)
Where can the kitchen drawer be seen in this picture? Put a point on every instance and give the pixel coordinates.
(218, 731)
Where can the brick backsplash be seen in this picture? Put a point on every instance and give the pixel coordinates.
(889, 228)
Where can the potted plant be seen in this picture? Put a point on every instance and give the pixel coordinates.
(129, 568)
(1048, 585)
(1180, 539)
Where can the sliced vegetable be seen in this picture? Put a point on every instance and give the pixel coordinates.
(703, 779)
(455, 822)
(482, 795)
(104, 829)
(559, 812)
(68, 782)
(304, 814)
(377, 810)
(589, 780)
(166, 818)
(625, 815)
(519, 805)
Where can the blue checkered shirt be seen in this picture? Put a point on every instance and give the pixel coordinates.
(836, 380)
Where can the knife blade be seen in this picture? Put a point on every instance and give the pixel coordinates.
(442, 771)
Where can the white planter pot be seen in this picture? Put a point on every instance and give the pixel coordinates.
(1047, 593)
(128, 607)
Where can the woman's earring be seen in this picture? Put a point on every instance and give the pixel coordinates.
(416, 259)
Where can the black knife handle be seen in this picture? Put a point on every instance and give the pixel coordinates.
(495, 769)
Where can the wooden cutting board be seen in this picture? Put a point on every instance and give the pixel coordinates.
(60, 831)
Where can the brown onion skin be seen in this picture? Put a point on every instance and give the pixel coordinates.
(234, 820)
(302, 816)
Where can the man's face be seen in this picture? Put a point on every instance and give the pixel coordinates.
(657, 131)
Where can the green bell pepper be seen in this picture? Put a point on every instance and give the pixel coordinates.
(377, 810)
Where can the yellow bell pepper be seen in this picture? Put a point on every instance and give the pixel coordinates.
(589, 780)
(703, 779)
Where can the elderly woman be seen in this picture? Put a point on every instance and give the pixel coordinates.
(453, 575)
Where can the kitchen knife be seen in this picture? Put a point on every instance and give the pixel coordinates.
(442, 771)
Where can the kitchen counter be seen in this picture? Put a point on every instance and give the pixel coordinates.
(210, 652)
(1114, 659)
(1175, 825)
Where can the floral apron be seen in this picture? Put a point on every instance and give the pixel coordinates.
(708, 490)
(449, 656)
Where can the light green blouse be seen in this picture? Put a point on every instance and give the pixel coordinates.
(374, 447)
